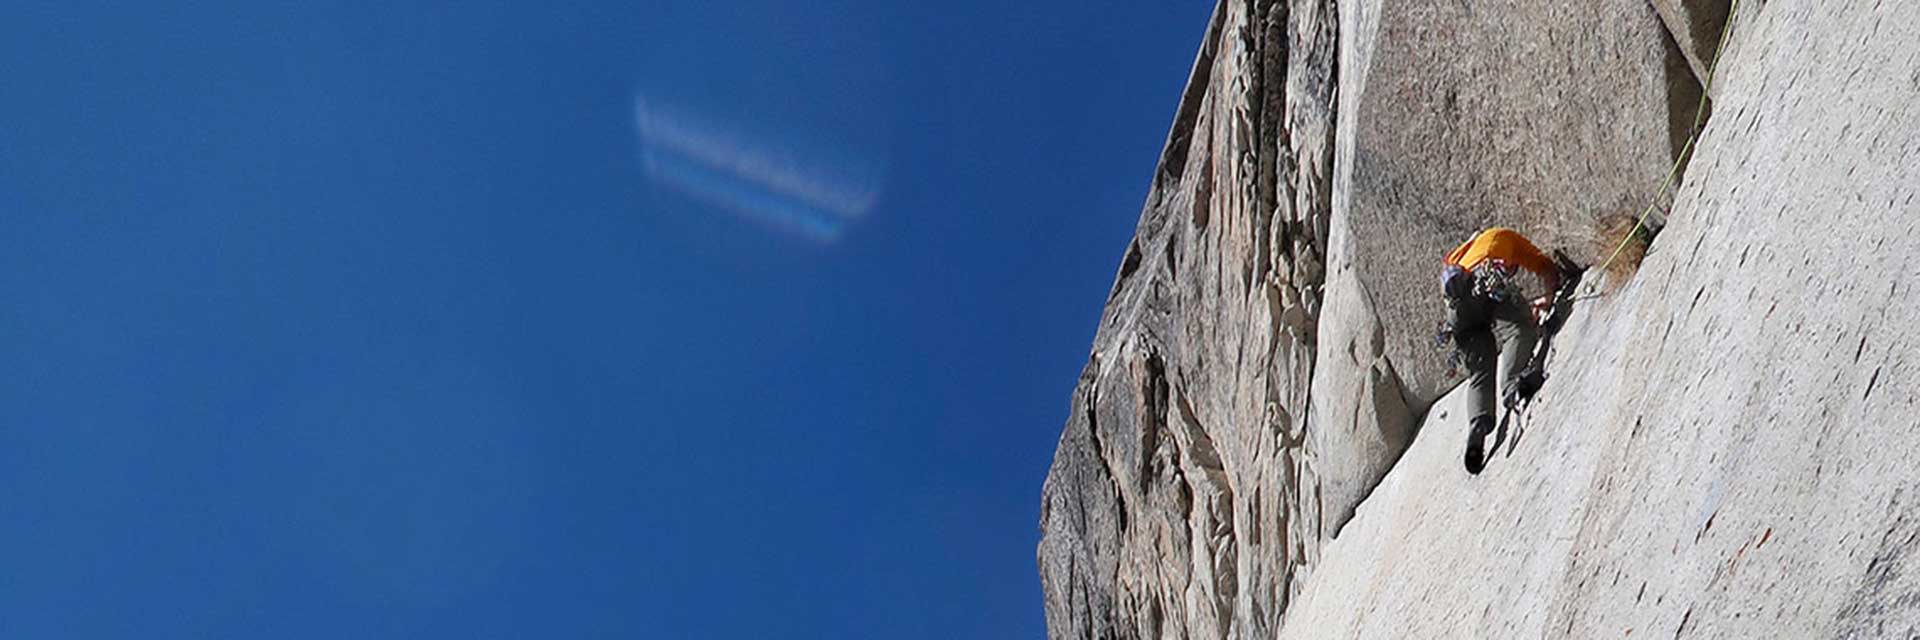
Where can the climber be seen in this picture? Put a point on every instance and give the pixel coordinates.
(1493, 325)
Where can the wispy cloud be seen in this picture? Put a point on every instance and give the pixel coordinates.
(780, 182)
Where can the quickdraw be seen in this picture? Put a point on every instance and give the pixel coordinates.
(1494, 281)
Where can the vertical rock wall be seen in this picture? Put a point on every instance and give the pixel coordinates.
(1262, 360)
(1727, 446)
(1175, 505)
(1455, 116)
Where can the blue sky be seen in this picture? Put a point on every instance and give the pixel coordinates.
(601, 320)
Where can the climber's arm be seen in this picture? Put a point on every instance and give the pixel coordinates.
(1529, 257)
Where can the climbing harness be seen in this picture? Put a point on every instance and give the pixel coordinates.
(1493, 280)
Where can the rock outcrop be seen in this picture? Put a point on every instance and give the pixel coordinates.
(1262, 361)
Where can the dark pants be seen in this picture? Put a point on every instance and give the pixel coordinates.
(1491, 334)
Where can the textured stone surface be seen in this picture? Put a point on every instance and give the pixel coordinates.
(1542, 116)
(1175, 506)
(1721, 449)
(1695, 25)
(1726, 448)
(1456, 116)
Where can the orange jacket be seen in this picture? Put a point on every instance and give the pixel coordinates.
(1505, 245)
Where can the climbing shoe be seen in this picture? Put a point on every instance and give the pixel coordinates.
(1477, 444)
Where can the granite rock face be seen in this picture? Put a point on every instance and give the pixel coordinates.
(1542, 116)
(1696, 27)
(1456, 116)
(1262, 362)
(1726, 447)
(1176, 505)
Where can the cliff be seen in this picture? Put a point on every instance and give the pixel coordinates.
(1720, 448)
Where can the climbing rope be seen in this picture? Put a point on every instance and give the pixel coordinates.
(1699, 118)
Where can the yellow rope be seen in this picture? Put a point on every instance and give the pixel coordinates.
(1699, 117)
